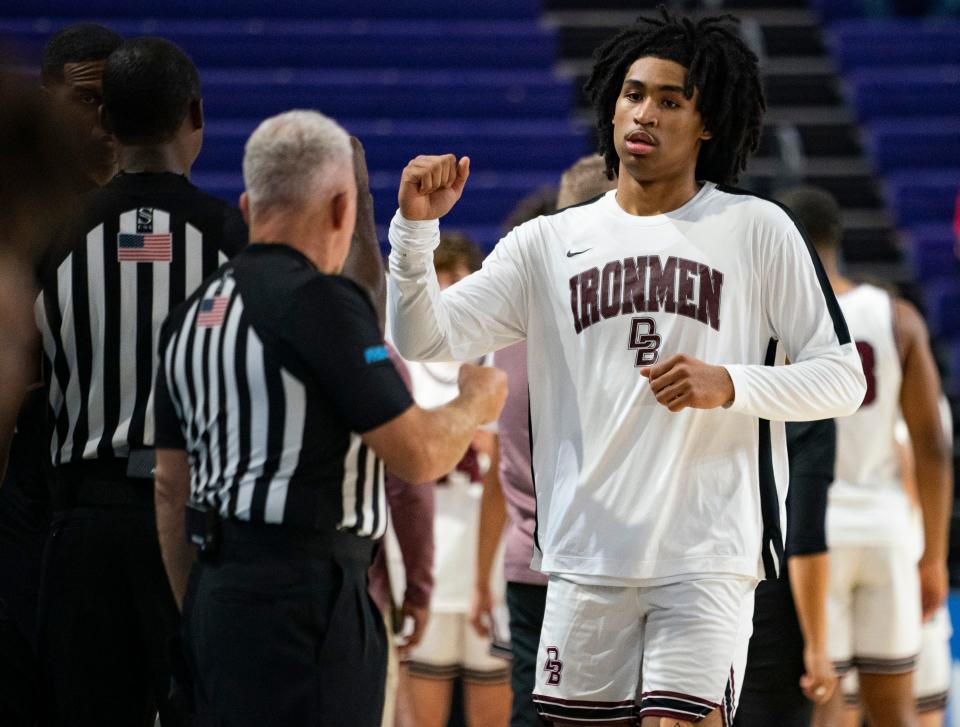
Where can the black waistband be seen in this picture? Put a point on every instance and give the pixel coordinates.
(99, 483)
(240, 540)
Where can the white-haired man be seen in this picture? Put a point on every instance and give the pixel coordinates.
(276, 403)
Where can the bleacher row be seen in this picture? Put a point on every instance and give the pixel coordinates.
(903, 78)
(412, 78)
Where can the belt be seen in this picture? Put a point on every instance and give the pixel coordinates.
(237, 540)
(99, 483)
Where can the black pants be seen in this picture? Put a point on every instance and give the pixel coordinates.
(107, 619)
(278, 636)
(770, 694)
(23, 530)
(526, 604)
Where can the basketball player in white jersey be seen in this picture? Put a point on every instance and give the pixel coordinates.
(931, 681)
(878, 596)
(653, 316)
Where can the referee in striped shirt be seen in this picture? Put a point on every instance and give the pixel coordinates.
(276, 410)
(146, 241)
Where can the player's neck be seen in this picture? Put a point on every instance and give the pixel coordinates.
(656, 197)
(831, 266)
(153, 158)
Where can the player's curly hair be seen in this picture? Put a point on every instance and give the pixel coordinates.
(719, 65)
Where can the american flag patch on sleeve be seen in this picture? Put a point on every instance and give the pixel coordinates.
(155, 247)
(212, 311)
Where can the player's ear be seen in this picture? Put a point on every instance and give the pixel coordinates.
(196, 114)
(706, 134)
(339, 207)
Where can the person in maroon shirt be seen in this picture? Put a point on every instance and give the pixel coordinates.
(410, 507)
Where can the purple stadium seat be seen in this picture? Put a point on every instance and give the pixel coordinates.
(525, 145)
(418, 94)
(930, 250)
(952, 382)
(923, 195)
(319, 44)
(898, 143)
(943, 307)
(874, 43)
(918, 91)
(277, 9)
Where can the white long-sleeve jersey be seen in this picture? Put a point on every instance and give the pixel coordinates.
(627, 490)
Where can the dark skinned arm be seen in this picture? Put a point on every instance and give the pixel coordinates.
(493, 519)
(919, 393)
(20, 352)
(364, 265)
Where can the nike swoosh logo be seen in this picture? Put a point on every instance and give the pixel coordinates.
(571, 253)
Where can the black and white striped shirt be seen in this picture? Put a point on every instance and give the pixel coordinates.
(269, 374)
(146, 243)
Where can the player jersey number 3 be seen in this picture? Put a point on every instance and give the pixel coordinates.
(868, 358)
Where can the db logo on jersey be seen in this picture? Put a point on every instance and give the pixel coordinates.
(553, 665)
(644, 340)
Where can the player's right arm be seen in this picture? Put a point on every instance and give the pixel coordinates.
(919, 396)
(483, 312)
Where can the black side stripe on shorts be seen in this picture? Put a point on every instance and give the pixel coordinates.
(676, 705)
(876, 665)
(578, 710)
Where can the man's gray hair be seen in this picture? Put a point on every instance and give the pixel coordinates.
(293, 157)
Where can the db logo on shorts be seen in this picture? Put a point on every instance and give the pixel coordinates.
(553, 665)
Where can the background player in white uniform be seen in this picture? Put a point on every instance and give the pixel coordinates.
(450, 646)
(874, 610)
(649, 315)
(931, 681)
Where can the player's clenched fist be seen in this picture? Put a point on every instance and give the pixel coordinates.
(487, 385)
(683, 381)
(431, 185)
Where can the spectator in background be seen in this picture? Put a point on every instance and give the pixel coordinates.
(450, 648)
(37, 165)
(526, 588)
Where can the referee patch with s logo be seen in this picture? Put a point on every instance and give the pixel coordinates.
(144, 220)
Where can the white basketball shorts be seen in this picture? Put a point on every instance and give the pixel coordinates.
(931, 681)
(451, 647)
(873, 609)
(613, 652)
